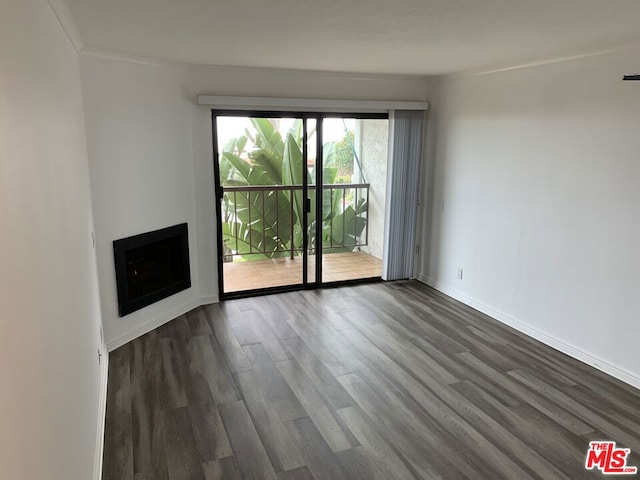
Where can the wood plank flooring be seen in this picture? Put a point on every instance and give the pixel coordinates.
(380, 381)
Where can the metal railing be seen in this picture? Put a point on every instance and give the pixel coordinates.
(265, 219)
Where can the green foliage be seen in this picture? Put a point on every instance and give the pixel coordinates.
(270, 221)
(345, 155)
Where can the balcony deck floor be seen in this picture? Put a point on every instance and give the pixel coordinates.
(241, 276)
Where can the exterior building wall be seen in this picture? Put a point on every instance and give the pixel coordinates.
(372, 142)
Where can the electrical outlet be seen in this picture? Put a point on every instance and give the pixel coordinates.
(99, 357)
(460, 273)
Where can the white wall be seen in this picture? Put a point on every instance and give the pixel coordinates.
(143, 121)
(142, 179)
(50, 316)
(536, 197)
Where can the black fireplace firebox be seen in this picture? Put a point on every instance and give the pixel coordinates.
(151, 266)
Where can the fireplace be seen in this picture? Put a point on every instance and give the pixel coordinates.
(151, 266)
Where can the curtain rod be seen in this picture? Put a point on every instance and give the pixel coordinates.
(308, 104)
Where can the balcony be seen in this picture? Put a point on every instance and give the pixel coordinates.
(279, 272)
(263, 238)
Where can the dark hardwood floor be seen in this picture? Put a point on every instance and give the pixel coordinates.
(381, 381)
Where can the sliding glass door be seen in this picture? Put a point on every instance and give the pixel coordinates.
(261, 175)
(294, 196)
(354, 189)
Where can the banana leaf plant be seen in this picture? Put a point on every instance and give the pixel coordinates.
(267, 223)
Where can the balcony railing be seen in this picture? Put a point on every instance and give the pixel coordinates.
(267, 219)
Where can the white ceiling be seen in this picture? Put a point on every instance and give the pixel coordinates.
(375, 36)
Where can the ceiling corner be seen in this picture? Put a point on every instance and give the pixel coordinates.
(64, 16)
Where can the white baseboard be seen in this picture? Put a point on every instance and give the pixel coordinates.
(102, 411)
(568, 349)
(160, 319)
(209, 299)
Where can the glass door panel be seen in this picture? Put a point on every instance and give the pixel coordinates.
(354, 183)
(260, 171)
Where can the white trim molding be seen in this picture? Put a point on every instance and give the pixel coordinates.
(158, 320)
(553, 342)
(63, 14)
(307, 104)
(126, 57)
(209, 299)
(102, 413)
